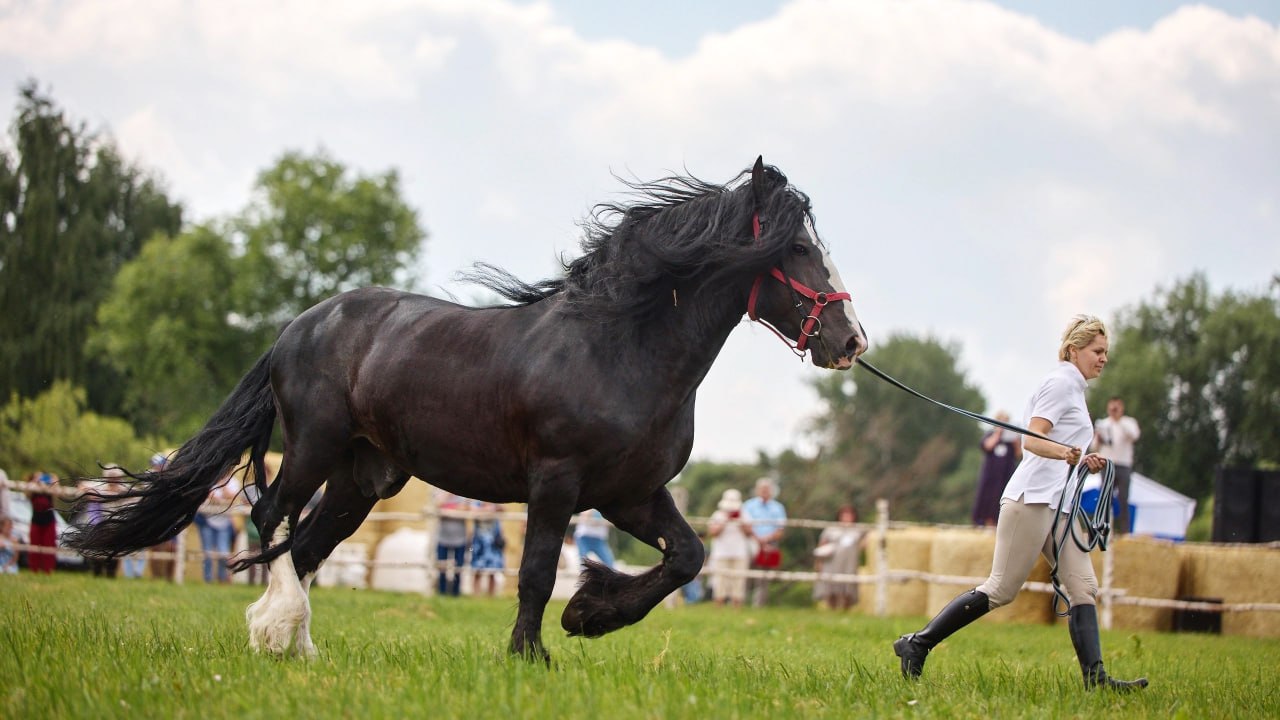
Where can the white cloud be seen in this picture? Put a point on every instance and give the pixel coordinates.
(977, 174)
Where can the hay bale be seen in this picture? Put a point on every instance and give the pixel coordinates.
(961, 553)
(1143, 567)
(967, 553)
(1235, 574)
(908, 549)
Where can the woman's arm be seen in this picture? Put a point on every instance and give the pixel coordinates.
(990, 442)
(1046, 449)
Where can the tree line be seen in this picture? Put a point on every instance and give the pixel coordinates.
(124, 324)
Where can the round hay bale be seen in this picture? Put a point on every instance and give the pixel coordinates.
(908, 549)
(1143, 567)
(967, 553)
(1235, 574)
(959, 553)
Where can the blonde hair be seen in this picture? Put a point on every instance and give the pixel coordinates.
(1079, 333)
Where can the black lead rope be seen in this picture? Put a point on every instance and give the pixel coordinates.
(1097, 526)
(973, 415)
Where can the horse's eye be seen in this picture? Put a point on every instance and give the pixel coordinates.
(799, 249)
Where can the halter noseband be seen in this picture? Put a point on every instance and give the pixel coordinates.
(810, 326)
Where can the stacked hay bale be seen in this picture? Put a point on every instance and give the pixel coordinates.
(967, 553)
(1142, 567)
(908, 549)
(1235, 574)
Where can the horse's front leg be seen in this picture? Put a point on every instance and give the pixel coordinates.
(608, 600)
(551, 503)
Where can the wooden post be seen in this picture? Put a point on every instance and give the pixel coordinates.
(882, 558)
(180, 557)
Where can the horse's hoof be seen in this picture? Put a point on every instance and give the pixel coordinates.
(590, 617)
(532, 653)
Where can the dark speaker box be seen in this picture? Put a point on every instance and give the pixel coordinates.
(1267, 525)
(1235, 506)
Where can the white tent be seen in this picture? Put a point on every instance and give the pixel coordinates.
(1154, 509)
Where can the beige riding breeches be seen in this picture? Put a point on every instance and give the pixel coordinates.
(1024, 531)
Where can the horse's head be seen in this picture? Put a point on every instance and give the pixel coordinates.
(801, 296)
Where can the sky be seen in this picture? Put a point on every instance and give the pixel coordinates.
(980, 171)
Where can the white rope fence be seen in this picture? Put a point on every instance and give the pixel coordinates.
(881, 578)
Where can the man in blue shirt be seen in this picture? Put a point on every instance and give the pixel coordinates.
(766, 517)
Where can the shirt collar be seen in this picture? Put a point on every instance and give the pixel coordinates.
(1069, 369)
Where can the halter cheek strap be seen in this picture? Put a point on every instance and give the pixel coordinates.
(811, 326)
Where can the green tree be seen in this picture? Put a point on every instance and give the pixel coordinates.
(55, 431)
(1199, 372)
(879, 442)
(169, 329)
(314, 230)
(71, 213)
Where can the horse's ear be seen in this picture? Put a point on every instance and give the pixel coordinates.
(757, 181)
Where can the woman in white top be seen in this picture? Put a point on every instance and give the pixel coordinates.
(730, 552)
(1027, 510)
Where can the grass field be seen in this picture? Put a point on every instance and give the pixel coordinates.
(76, 647)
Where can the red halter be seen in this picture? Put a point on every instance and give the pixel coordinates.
(811, 326)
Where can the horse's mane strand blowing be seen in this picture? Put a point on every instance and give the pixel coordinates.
(675, 228)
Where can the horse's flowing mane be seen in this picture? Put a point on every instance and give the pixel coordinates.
(671, 230)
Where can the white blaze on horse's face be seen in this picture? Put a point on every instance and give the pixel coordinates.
(845, 307)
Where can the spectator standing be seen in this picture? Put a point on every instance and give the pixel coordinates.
(838, 551)
(217, 530)
(766, 516)
(1001, 452)
(487, 548)
(592, 536)
(451, 545)
(8, 546)
(44, 528)
(1113, 438)
(730, 554)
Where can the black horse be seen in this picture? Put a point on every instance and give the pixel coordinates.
(579, 394)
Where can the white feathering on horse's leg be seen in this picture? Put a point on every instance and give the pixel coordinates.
(275, 619)
(302, 645)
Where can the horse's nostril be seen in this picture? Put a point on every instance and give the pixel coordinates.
(856, 346)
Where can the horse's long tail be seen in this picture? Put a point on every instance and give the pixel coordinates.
(159, 504)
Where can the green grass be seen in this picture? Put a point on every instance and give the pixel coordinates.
(72, 646)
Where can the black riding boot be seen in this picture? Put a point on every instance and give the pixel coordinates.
(914, 647)
(1082, 623)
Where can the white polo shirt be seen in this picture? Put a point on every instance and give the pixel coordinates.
(1060, 400)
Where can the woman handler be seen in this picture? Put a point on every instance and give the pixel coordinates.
(1027, 510)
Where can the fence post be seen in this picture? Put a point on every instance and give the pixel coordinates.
(882, 558)
(180, 558)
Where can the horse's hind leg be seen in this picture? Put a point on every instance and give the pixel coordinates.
(277, 617)
(341, 511)
(608, 600)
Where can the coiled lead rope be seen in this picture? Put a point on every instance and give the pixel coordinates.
(1096, 525)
